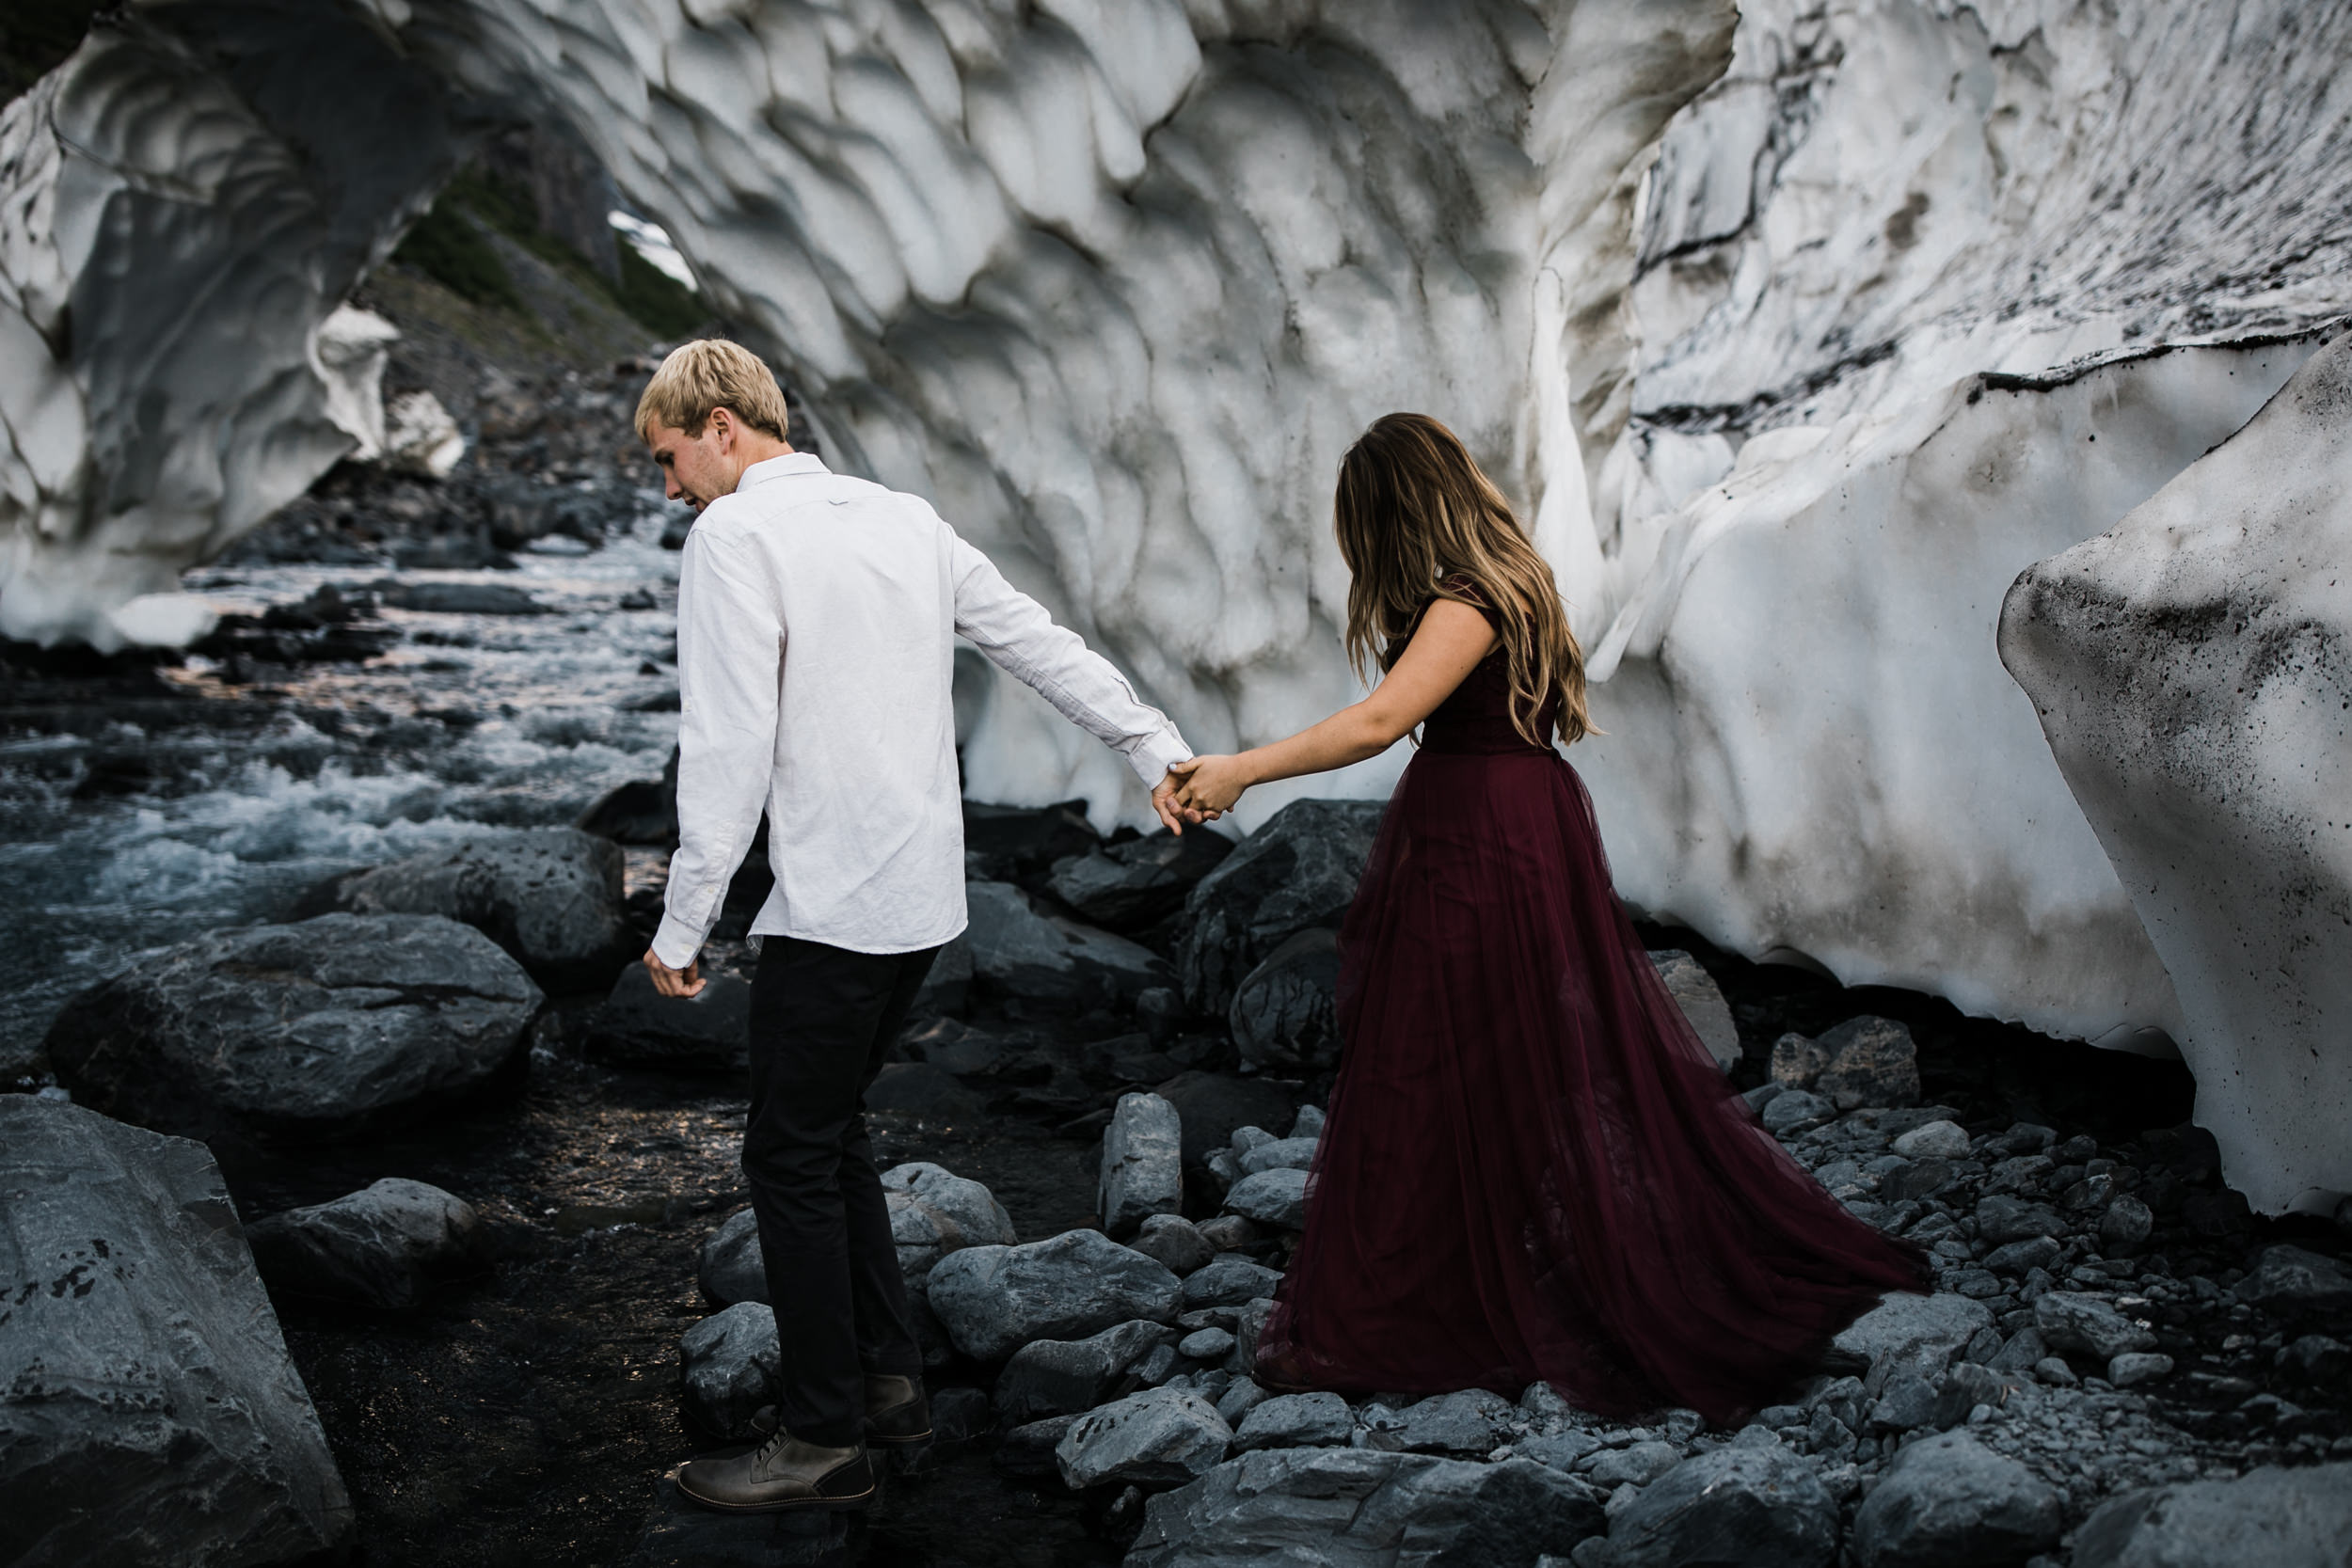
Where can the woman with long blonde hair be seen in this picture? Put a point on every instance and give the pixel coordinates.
(1531, 1168)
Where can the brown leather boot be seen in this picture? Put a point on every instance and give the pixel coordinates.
(781, 1473)
(898, 1412)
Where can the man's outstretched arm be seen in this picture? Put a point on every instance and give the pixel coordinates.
(1021, 639)
(729, 640)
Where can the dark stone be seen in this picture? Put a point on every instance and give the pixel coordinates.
(1028, 1449)
(1212, 1105)
(638, 1026)
(1948, 1503)
(2001, 1218)
(551, 896)
(1759, 1507)
(1868, 1061)
(643, 811)
(919, 1088)
(1012, 843)
(2292, 1281)
(995, 1299)
(1128, 887)
(2278, 1518)
(1064, 1377)
(1366, 1505)
(1299, 870)
(1919, 1178)
(306, 1031)
(384, 1246)
(150, 1414)
(1285, 1013)
(1229, 1282)
(458, 598)
(1018, 952)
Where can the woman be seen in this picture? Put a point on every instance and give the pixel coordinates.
(1531, 1168)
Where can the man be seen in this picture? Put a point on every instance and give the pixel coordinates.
(816, 618)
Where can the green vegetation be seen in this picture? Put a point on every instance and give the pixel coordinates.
(36, 36)
(447, 245)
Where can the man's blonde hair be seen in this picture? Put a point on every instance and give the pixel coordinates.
(708, 374)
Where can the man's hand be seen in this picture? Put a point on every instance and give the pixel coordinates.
(1164, 801)
(1208, 787)
(675, 982)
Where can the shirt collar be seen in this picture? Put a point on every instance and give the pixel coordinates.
(791, 465)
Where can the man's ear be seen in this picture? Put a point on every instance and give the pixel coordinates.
(724, 427)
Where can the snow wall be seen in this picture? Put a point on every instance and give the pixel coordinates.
(1797, 332)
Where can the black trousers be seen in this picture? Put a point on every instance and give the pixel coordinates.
(822, 1021)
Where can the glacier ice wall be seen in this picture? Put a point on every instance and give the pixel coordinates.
(1797, 332)
(2193, 669)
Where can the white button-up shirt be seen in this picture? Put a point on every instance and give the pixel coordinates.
(816, 623)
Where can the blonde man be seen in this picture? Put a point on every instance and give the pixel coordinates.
(817, 620)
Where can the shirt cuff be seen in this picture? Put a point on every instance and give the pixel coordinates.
(676, 943)
(1156, 754)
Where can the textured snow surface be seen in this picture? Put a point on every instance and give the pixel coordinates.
(2193, 669)
(1714, 294)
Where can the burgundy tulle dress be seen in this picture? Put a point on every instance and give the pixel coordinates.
(1531, 1168)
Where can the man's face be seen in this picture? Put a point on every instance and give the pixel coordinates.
(698, 469)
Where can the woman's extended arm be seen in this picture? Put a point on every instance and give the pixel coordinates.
(1445, 648)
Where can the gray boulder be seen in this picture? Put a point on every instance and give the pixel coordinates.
(1934, 1140)
(1143, 1167)
(2086, 1326)
(1468, 1423)
(1275, 1197)
(549, 897)
(1043, 958)
(2124, 1228)
(150, 1414)
(1759, 1507)
(638, 1026)
(1284, 1015)
(2294, 1282)
(933, 1212)
(1212, 1105)
(1296, 1421)
(313, 1030)
(1863, 1061)
(1702, 1001)
(1158, 1438)
(2277, 1518)
(1064, 1377)
(992, 1300)
(1298, 870)
(1127, 887)
(1920, 1334)
(727, 1365)
(1173, 1241)
(1357, 1508)
(1949, 1502)
(385, 1247)
(1796, 1111)
(1229, 1282)
(731, 1268)
(1635, 1464)
(2002, 1218)
(946, 987)
(1282, 1154)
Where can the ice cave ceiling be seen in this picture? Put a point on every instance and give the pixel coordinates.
(1799, 330)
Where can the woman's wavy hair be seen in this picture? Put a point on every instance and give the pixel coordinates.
(1417, 521)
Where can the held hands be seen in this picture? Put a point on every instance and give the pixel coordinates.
(1210, 785)
(675, 982)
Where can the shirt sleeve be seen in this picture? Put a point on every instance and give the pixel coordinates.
(1021, 639)
(730, 639)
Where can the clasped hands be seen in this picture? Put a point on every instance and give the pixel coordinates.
(1199, 790)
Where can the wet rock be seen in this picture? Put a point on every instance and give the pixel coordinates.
(643, 810)
(1012, 843)
(1284, 1015)
(1635, 1464)
(638, 1026)
(1915, 1179)
(1936, 1140)
(1468, 1423)
(385, 1247)
(2022, 1257)
(2083, 1324)
(304, 1031)
(934, 1212)
(1046, 959)
(994, 1299)
(730, 1268)
(1127, 887)
(2124, 1228)
(1207, 1345)
(1702, 1001)
(1296, 1421)
(1230, 1233)
(1241, 1396)
(148, 1412)
(1158, 1438)
(1308, 1123)
(946, 988)
(1282, 1154)
(727, 1365)
(1868, 1061)
(1174, 1242)
(1915, 1334)
(1559, 1449)
(1229, 1282)
(2278, 1518)
(2136, 1366)
(551, 896)
(1213, 1105)
(1248, 1323)
(1759, 1507)
(2315, 1358)
(1143, 1171)
(1949, 1501)
(1296, 871)
(1796, 1111)
(1064, 1377)
(2293, 1282)
(457, 598)
(1365, 1506)
(2002, 1218)
(1273, 1197)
